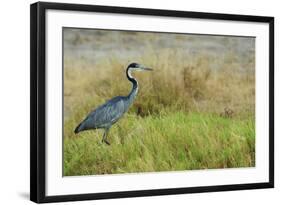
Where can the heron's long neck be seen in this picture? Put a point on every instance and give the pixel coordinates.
(134, 90)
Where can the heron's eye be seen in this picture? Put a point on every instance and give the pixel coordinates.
(134, 65)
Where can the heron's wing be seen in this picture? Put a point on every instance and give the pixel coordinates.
(107, 114)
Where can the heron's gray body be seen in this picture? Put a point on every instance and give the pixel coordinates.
(107, 114)
(110, 112)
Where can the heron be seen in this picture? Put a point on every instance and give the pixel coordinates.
(107, 114)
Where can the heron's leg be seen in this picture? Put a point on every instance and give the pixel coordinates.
(105, 135)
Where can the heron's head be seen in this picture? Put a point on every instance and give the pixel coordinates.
(138, 67)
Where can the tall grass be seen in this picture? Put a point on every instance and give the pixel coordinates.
(166, 142)
(178, 82)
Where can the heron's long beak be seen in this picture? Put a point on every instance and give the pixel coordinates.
(147, 69)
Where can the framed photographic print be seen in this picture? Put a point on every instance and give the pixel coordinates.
(129, 102)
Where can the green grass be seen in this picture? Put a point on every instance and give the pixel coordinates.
(164, 142)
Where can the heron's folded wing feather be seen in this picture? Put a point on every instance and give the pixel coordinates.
(108, 113)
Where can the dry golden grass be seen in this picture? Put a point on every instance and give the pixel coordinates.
(177, 82)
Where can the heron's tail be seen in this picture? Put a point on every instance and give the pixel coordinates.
(78, 128)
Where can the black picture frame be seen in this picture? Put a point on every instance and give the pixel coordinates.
(38, 101)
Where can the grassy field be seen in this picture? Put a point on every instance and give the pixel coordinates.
(196, 110)
(169, 141)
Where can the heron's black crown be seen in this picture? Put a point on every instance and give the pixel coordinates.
(134, 65)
